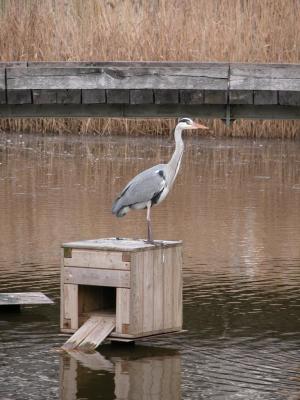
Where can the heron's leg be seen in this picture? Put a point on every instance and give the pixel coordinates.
(150, 238)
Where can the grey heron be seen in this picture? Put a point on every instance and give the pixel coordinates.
(151, 186)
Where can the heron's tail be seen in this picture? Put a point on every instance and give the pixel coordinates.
(118, 209)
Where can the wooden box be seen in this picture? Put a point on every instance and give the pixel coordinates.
(138, 283)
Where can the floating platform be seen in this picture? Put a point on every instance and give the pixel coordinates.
(14, 301)
(120, 289)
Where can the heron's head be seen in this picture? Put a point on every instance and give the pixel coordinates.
(188, 123)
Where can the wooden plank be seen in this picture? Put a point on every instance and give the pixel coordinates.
(177, 286)
(114, 110)
(215, 97)
(2, 96)
(64, 325)
(97, 335)
(117, 96)
(148, 291)
(133, 337)
(81, 333)
(265, 77)
(24, 298)
(19, 96)
(96, 277)
(44, 96)
(2, 86)
(168, 289)
(96, 259)
(158, 280)
(191, 96)
(166, 96)
(137, 293)
(93, 96)
(119, 244)
(141, 96)
(13, 64)
(262, 97)
(122, 310)
(241, 97)
(70, 293)
(289, 98)
(206, 76)
(68, 96)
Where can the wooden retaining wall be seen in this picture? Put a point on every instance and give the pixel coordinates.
(149, 89)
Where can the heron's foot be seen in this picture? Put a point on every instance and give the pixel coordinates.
(157, 243)
(149, 241)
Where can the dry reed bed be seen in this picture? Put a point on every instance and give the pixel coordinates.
(194, 30)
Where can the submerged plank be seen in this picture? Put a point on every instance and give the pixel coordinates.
(101, 331)
(24, 298)
(91, 334)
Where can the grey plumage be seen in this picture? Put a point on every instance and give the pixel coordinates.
(144, 187)
(152, 185)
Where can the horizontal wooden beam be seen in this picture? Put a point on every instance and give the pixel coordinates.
(212, 76)
(111, 110)
(265, 77)
(96, 277)
(149, 89)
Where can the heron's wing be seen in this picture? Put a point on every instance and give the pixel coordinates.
(142, 188)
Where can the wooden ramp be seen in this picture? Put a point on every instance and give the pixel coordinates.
(15, 300)
(91, 334)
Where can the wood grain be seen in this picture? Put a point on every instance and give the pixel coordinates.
(168, 300)
(146, 89)
(158, 282)
(262, 97)
(207, 76)
(141, 96)
(91, 334)
(265, 77)
(96, 277)
(191, 96)
(70, 293)
(241, 97)
(122, 310)
(137, 293)
(97, 259)
(148, 291)
(24, 298)
(19, 96)
(93, 96)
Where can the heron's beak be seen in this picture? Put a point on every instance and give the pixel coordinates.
(198, 126)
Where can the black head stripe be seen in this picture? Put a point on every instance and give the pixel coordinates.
(186, 120)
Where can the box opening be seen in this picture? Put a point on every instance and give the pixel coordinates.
(95, 300)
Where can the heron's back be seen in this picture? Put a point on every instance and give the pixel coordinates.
(140, 190)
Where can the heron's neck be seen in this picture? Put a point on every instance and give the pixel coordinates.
(174, 163)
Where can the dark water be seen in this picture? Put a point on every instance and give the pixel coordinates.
(236, 207)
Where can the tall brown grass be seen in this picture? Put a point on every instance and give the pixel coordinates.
(195, 30)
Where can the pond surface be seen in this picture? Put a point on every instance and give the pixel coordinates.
(235, 205)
